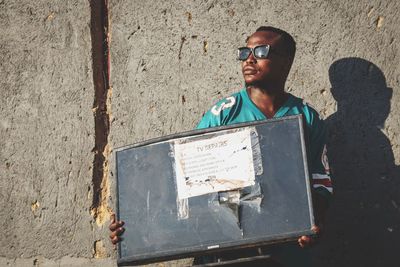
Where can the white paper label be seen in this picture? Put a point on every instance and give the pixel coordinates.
(219, 163)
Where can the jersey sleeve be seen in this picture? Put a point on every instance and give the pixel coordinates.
(319, 165)
(218, 115)
(209, 120)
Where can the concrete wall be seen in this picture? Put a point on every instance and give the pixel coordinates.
(170, 60)
(47, 134)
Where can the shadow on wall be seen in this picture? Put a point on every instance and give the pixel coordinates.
(363, 226)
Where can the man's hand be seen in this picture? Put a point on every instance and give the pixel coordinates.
(116, 230)
(320, 205)
(306, 241)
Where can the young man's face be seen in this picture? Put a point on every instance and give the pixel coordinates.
(273, 69)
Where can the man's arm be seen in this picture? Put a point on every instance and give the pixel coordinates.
(321, 181)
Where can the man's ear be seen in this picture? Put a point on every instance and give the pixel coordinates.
(286, 65)
(290, 63)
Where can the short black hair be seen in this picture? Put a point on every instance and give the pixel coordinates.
(288, 42)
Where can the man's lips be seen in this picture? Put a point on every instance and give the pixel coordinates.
(249, 71)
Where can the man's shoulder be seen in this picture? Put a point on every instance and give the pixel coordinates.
(310, 113)
(225, 104)
(220, 112)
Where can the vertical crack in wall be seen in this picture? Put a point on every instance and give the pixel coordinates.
(99, 29)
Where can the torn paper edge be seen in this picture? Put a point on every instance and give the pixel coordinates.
(183, 204)
(221, 163)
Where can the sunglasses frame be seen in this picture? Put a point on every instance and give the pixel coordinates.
(252, 52)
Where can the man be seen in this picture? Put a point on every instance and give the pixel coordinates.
(266, 62)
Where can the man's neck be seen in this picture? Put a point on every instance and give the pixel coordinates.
(268, 100)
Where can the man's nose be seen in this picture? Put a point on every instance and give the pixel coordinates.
(251, 58)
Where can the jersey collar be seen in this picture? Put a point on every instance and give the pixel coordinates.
(279, 113)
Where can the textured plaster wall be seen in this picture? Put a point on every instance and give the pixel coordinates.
(47, 134)
(170, 60)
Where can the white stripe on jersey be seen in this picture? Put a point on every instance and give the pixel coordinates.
(320, 176)
(320, 185)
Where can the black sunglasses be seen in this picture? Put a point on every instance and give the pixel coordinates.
(259, 52)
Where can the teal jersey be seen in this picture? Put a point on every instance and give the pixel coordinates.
(239, 108)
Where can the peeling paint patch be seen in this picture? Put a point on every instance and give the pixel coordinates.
(34, 206)
(101, 212)
(379, 22)
(183, 208)
(50, 16)
(99, 250)
(108, 103)
(370, 12)
(205, 47)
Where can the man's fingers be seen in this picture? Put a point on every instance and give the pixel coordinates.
(302, 244)
(120, 230)
(117, 232)
(302, 240)
(116, 225)
(316, 229)
(113, 226)
(305, 241)
(115, 240)
(116, 229)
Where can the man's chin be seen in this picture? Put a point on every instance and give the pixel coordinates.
(254, 83)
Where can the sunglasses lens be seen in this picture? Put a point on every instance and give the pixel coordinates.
(243, 53)
(261, 51)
